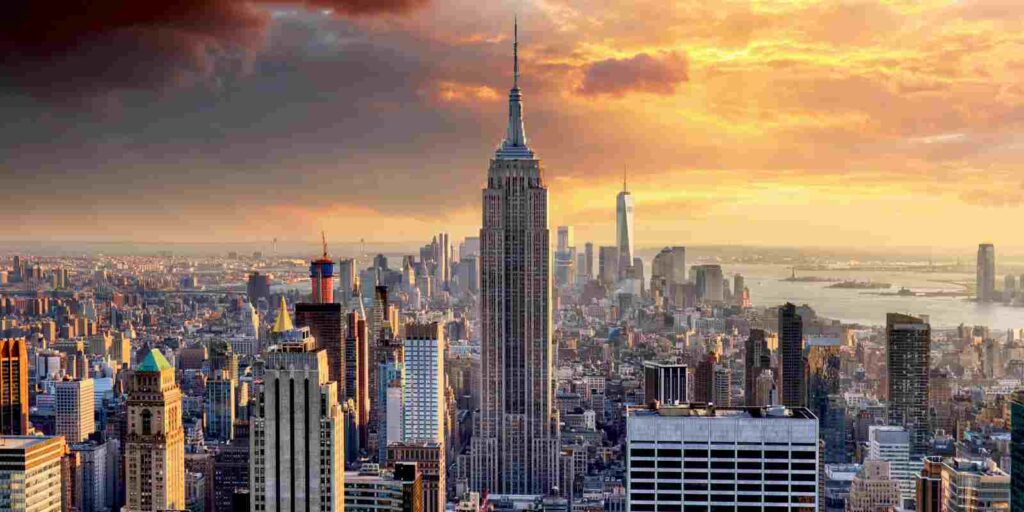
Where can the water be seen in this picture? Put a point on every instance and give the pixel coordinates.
(866, 306)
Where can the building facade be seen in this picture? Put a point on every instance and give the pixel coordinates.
(986, 273)
(706, 458)
(297, 430)
(791, 351)
(908, 358)
(13, 387)
(516, 443)
(76, 409)
(155, 444)
(30, 473)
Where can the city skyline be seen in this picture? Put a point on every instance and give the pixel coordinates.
(840, 120)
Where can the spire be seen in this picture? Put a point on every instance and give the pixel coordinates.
(515, 53)
(284, 320)
(624, 189)
(323, 238)
(514, 146)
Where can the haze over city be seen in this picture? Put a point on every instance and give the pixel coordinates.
(750, 123)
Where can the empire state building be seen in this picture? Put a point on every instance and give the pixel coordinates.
(515, 443)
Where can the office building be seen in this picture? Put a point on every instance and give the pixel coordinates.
(624, 233)
(974, 485)
(892, 444)
(664, 382)
(565, 257)
(258, 287)
(986, 276)
(424, 412)
(357, 373)
(347, 280)
(515, 444)
(13, 387)
(929, 485)
(430, 459)
(588, 260)
(791, 351)
(668, 270)
(1017, 451)
(709, 282)
(873, 489)
(220, 407)
(155, 444)
(608, 265)
(30, 473)
(297, 431)
(757, 359)
(76, 409)
(908, 360)
(372, 489)
(326, 322)
(708, 458)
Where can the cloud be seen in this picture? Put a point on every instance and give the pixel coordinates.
(64, 50)
(657, 74)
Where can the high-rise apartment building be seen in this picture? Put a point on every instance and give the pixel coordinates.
(986, 278)
(908, 359)
(13, 387)
(515, 444)
(30, 473)
(297, 431)
(357, 373)
(703, 458)
(155, 445)
(76, 409)
(974, 485)
(664, 382)
(624, 233)
(424, 400)
(791, 350)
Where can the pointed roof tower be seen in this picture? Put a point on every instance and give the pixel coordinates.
(154, 362)
(514, 146)
(283, 322)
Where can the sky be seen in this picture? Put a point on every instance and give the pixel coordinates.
(776, 123)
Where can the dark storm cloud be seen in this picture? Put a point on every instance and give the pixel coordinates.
(65, 50)
(658, 74)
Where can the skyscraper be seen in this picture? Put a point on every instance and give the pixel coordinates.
(668, 270)
(791, 348)
(516, 441)
(424, 383)
(155, 445)
(608, 265)
(665, 382)
(297, 440)
(986, 281)
(321, 277)
(588, 255)
(346, 279)
(13, 387)
(76, 409)
(219, 405)
(357, 373)
(909, 347)
(326, 323)
(30, 473)
(758, 358)
(624, 227)
(1017, 451)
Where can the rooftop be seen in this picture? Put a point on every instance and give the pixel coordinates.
(698, 410)
(154, 362)
(23, 442)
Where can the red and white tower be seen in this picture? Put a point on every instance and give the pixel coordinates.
(321, 277)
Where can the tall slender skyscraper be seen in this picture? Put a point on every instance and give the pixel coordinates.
(516, 442)
(155, 445)
(791, 348)
(13, 387)
(624, 227)
(909, 353)
(758, 359)
(321, 277)
(986, 282)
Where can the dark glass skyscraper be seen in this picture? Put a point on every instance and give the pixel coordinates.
(515, 445)
(986, 279)
(791, 346)
(909, 340)
(758, 358)
(1017, 452)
